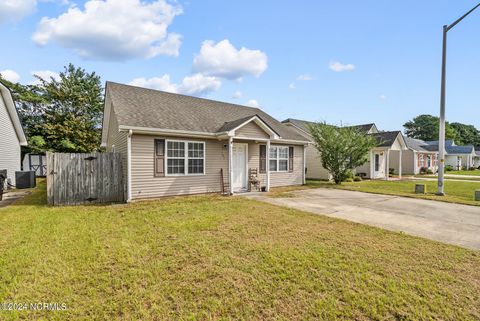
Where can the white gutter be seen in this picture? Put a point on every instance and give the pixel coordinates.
(129, 166)
(172, 132)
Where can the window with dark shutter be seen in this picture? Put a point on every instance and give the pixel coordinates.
(290, 158)
(263, 159)
(159, 157)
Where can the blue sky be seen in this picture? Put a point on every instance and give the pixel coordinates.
(336, 61)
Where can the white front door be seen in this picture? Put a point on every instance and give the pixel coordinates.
(378, 165)
(239, 167)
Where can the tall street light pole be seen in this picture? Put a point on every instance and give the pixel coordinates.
(441, 138)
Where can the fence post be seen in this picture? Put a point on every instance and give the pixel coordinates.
(50, 178)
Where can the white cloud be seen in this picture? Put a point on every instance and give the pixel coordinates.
(114, 29)
(291, 86)
(195, 85)
(44, 74)
(253, 103)
(339, 67)
(14, 10)
(224, 60)
(383, 97)
(10, 75)
(237, 94)
(305, 77)
(199, 84)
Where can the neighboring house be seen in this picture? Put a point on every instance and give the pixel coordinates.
(377, 169)
(476, 159)
(175, 144)
(12, 135)
(390, 144)
(457, 157)
(418, 155)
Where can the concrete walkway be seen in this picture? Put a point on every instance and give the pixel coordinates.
(445, 222)
(11, 196)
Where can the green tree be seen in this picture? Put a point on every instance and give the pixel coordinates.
(64, 114)
(426, 127)
(466, 134)
(342, 149)
(31, 108)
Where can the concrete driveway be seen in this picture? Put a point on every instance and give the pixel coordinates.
(444, 222)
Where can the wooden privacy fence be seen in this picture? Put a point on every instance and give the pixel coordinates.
(75, 179)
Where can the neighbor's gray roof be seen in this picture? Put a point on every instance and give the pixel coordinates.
(142, 107)
(451, 148)
(386, 139)
(419, 145)
(303, 124)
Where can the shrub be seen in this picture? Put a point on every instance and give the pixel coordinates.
(348, 180)
(429, 171)
(448, 168)
(357, 179)
(423, 170)
(391, 171)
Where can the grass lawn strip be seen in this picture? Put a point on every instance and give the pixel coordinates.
(211, 257)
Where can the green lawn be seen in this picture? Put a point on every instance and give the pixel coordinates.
(470, 173)
(456, 192)
(224, 258)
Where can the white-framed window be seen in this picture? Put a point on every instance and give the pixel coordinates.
(422, 160)
(278, 158)
(185, 157)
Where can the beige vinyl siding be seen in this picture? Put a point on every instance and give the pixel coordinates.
(315, 169)
(365, 168)
(251, 130)
(119, 140)
(9, 144)
(290, 178)
(254, 161)
(314, 166)
(408, 161)
(146, 185)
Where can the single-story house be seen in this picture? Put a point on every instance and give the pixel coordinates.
(377, 169)
(457, 157)
(389, 143)
(175, 144)
(418, 155)
(12, 135)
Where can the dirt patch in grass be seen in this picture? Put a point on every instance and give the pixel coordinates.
(212, 258)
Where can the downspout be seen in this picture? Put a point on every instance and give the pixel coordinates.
(268, 165)
(304, 163)
(129, 166)
(230, 162)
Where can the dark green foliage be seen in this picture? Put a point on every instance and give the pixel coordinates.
(63, 115)
(425, 127)
(342, 149)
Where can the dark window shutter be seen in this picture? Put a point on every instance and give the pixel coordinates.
(263, 159)
(159, 157)
(290, 158)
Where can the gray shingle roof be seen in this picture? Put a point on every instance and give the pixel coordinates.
(386, 139)
(148, 108)
(419, 145)
(303, 124)
(451, 148)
